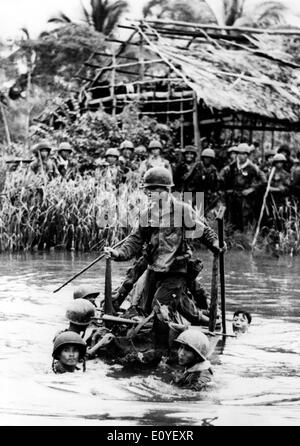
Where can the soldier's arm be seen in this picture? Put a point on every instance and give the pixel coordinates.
(131, 246)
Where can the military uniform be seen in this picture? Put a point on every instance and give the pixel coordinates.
(236, 179)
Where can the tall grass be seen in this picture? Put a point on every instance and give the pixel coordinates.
(85, 214)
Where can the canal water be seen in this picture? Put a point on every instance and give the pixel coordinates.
(256, 375)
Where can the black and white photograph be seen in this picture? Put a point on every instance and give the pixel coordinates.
(149, 215)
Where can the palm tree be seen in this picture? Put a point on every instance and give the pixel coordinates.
(103, 16)
(222, 12)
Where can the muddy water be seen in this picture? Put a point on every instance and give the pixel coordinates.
(256, 375)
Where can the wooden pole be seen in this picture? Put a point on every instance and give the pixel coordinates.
(220, 219)
(214, 295)
(263, 207)
(108, 307)
(197, 136)
(89, 266)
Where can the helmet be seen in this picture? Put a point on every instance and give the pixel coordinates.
(232, 149)
(279, 157)
(243, 148)
(80, 312)
(190, 149)
(196, 340)
(158, 176)
(269, 153)
(41, 146)
(65, 146)
(83, 292)
(140, 149)
(112, 152)
(209, 153)
(127, 145)
(68, 337)
(154, 144)
(284, 148)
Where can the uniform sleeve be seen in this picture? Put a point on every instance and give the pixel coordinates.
(195, 228)
(133, 245)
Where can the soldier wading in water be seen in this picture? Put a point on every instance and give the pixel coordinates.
(164, 228)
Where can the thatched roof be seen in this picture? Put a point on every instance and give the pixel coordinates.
(240, 72)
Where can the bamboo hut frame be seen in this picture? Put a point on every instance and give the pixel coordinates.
(213, 76)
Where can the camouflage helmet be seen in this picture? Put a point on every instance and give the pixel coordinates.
(80, 312)
(68, 338)
(85, 292)
(196, 340)
(190, 149)
(243, 148)
(65, 146)
(112, 152)
(158, 176)
(155, 144)
(126, 145)
(44, 145)
(208, 153)
(279, 157)
(140, 150)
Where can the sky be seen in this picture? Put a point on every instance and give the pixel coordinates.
(33, 14)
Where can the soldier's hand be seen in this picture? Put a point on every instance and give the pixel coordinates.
(111, 252)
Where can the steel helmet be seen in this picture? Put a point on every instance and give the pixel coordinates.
(83, 292)
(155, 144)
(140, 149)
(80, 312)
(269, 153)
(68, 337)
(190, 149)
(196, 340)
(112, 152)
(243, 148)
(65, 146)
(44, 145)
(279, 157)
(209, 153)
(158, 176)
(232, 149)
(126, 145)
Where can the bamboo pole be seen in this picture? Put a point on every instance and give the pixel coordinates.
(263, 207)
(295, 32)
(214, 295)
(108, 307)
(89, 266)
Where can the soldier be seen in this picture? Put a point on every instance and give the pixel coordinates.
(155, 159)
(166, 238)
(65, 163)
(209, 178)
(187, 174)
(285, 150)
(43, 164)
(110, 172)
(267, 165)
(242, 181)
(126, 157)
(295, 178)
(232, 154)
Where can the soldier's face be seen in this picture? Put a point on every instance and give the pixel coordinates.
(44, 154)
(206, 161)
(186, 356)
(242, 157)
(189, 157)
(111, 160)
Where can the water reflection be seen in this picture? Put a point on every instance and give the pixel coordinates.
(256, 375)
